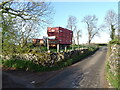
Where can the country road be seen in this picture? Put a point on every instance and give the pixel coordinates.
(88, 73)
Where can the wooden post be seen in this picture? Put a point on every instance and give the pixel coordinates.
(65, 48)
(58, 47)
(47, 45)
(72, 43)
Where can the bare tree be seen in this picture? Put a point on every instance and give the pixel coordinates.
(23, 20)
(111, 20)
(78, 36)
(92, 29)
(72, 21)
(26, 10)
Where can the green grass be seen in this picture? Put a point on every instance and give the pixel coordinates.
(115, 41)
(29, 65)
(114, 80)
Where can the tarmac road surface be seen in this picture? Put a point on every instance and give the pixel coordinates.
(88, 73)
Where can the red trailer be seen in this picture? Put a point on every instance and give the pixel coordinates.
(63, 36)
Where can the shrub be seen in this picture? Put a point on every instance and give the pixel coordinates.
(29, 65)
(115, 41)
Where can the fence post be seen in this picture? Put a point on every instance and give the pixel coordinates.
(65, 48)
(47, 45)
(58, 48)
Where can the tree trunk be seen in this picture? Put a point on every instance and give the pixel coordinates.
(112, 32)
(89, 40)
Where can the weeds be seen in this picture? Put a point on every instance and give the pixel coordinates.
(29, 65)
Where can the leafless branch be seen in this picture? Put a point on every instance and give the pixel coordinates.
(91, 26)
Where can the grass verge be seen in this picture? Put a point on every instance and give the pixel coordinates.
(114, 80)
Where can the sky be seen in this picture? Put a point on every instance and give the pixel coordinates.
(81, 9)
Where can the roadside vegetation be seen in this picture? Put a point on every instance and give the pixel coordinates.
(112, 64)
(31, 66)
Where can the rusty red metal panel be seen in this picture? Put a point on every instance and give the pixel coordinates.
(63, 35)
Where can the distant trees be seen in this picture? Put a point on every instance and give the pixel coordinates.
(111, 22)
(72, 25)
(78, 37)
(22, 20)
(91, 22)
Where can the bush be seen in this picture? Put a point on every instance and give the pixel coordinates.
(32, 66)
(115, 41)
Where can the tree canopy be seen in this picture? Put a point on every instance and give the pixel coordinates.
(21, 21)
(91, 22)
(111, 22)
